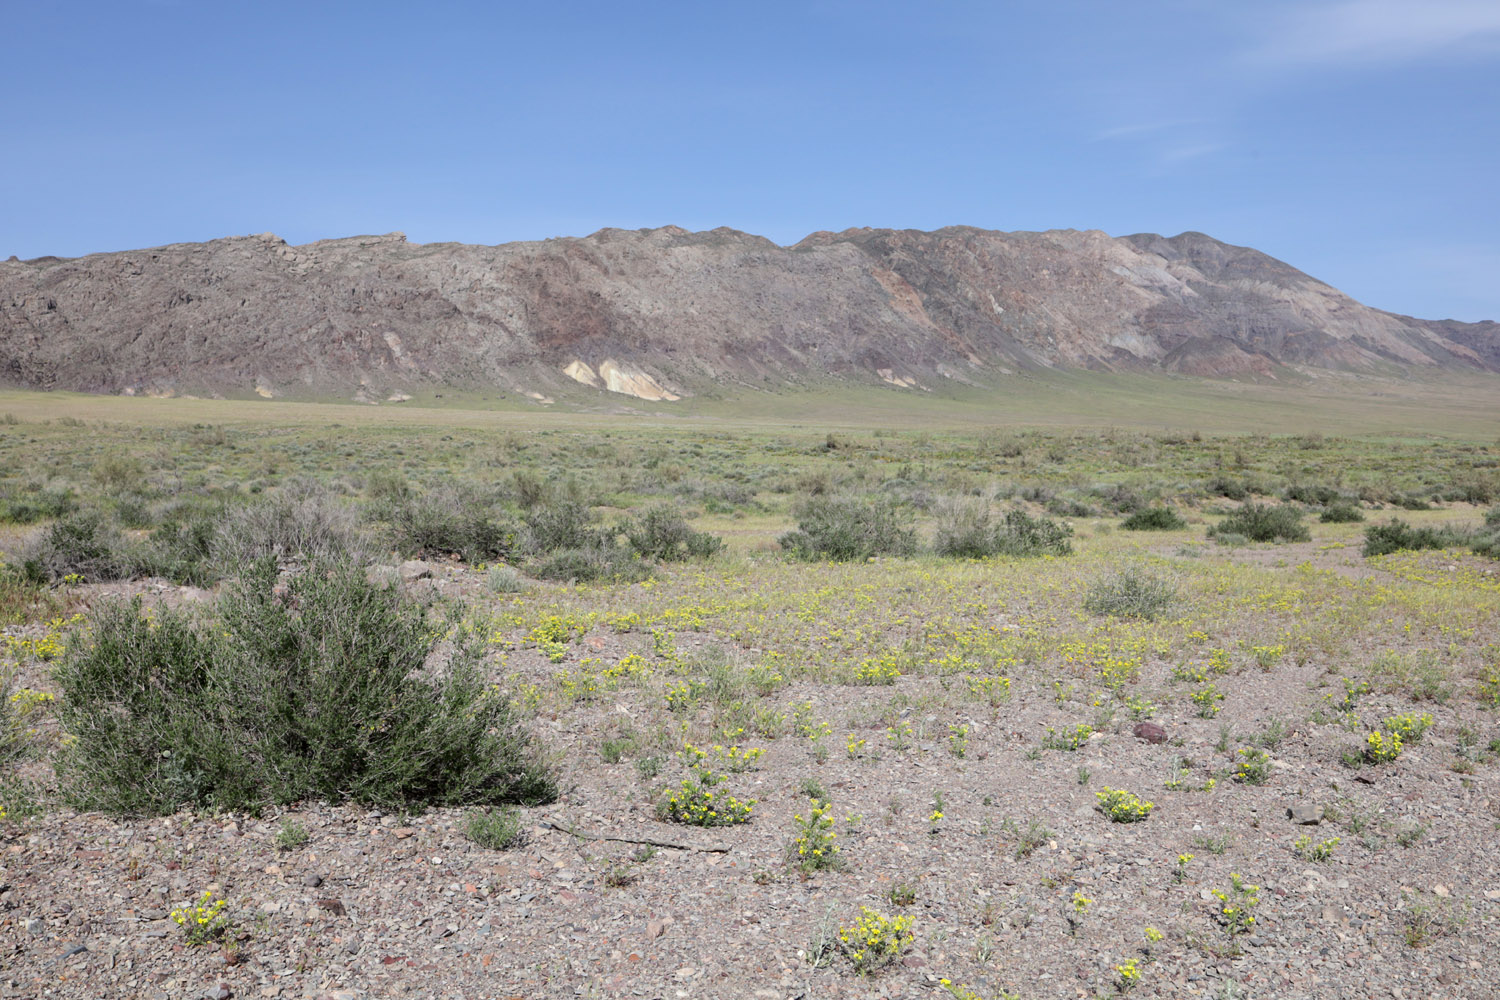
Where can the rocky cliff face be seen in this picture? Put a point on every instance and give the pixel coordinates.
(665, 312)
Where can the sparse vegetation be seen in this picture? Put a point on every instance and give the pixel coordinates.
(1263, 523)
(972, 693)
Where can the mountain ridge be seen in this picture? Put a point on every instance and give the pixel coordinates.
(667, 312)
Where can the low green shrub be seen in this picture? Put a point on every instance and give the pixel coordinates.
(35, 503)
(1341, 513)
(662, 533)
(967, 530)
(1224, 486)
(599, 559)
(1154, 519)
(844, 527)
(1130, 593)
(315, 687)
(1396, 535)
(452, 520)
(84, 543)
(561, 525)
(1020, 534)
(301, 522)
(1264, 523)
(1322, 496)
(496, 829)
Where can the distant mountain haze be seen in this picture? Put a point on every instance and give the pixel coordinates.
(666, 313)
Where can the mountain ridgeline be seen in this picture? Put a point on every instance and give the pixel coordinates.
(665, 313)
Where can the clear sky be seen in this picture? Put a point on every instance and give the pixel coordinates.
(1356, 139)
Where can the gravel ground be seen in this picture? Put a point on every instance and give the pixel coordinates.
(375, 905)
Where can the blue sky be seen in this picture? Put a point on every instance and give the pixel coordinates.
(1356, 139)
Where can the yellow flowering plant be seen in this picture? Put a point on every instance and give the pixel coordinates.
(815, 847)
(875, 940)
(203, 921)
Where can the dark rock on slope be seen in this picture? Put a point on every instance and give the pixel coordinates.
(657, 313)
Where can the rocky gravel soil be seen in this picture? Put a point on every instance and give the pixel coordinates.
(382, 905)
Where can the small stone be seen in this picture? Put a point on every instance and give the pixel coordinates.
(219, 992)
(686, 972)
(415, 569)
(333, 906)
(311, 880)
(1150, 732)
(1307, 814)
(1440, 890)
(655, 929)
(402, 832)
(35, 925)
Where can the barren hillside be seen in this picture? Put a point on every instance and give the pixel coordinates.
(663, 313)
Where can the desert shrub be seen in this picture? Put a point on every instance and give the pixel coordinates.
(452, 520)
(1264, 523)
(1020, 534)
(528, 490)
(496, 829)
(1411, 501)
(560, 525)
(117, 473)
(1487, 543)
(1154, 519)
(1225, 486)
(967, 530)
(320, 690)
(84, 543)
(133, 510)
(14, 740)
(964, 528)
(1320, 496)
(660, 532)
(23, 599)
(1396, 535)
(1069, 507)
(35, 503)
(1474, 490)
(844, 527)
(182, 546)
(1120, 499)
(1130, 593)
(505, 580)
(598, 559)
(1341, 513)
(301, 522)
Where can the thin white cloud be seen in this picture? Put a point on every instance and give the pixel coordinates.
(1181, 154)
(1139, 130)
(1382, 31)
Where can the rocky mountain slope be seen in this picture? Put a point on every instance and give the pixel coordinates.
(663, 313)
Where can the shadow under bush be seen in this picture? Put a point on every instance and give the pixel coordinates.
(315, 689)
